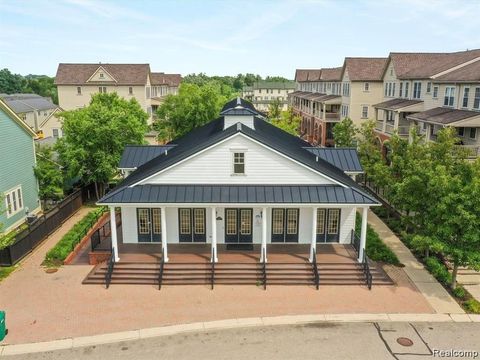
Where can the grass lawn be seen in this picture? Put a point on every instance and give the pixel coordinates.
(376, 248)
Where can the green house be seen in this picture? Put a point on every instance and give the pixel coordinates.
(18, 185)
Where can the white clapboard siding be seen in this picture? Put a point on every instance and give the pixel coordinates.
(262, 166)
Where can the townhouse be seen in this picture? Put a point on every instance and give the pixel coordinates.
(431, 91)
(262, 93)
(326, 96)
(77, 83)
(37, 112)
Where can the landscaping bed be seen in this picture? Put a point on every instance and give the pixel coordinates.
(9, 238)
(433, 263)
(67, 243)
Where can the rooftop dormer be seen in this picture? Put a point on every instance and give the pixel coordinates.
(238, 111)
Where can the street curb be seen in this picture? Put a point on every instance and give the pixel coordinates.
(77, 342)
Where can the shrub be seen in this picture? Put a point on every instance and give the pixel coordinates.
(376, 248)
(472, 305)
(459, 292)
(438, 270)
(60, 251)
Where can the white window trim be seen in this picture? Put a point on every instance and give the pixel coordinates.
(362, 107)
(470, 131)
(234, 151)
(365, 85)
(15, 189)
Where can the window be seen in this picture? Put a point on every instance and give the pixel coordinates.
(417, 89)
(156, 221)
(473, 133)
(389, 89)
(344, 111)
(259, 91)
(461, 131)
(185, 222)
(320, 221)
(13, 201)
(449, 96)
(466, 92)
(407, 84)
(400, 90)
(79, 90)
(130, 90)
(55, 133)
(239, 163)
(429, 87)
(435, 92)
(476, 99)
(292, 223)
(393, 89)
(102, 89)
(364, 112)
(101, 76)
(386, 90)
(333, 221)
(147, 92)
(366, 86)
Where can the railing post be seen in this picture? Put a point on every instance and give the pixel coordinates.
(363, 234)
(113, 233)
(163, 217)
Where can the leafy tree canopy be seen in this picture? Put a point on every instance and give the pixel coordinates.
(49, 174)
(37, 84)
(287, 121)
(344, 133)
(94, 137)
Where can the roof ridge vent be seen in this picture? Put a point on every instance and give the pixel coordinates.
(239, 101)
(239, 126)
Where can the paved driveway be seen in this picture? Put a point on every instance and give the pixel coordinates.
(43, 307)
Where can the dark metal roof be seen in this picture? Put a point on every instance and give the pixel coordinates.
(239, 194)
(238, 106)
(395, 104)
(443, 116)
(135, 155)
(213, 132)
(343, 158)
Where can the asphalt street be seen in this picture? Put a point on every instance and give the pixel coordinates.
(311, 341)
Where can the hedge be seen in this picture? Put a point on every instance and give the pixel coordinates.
(67, 243)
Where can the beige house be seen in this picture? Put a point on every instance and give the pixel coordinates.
(36, 111)
(431, 91)
(326, 96)
(77, 83)
(262, 93)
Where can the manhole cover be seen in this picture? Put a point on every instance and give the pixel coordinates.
(51, 271)
(404, 341)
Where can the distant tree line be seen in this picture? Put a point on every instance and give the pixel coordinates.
(35, 84)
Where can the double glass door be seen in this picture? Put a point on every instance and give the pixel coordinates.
(149, 225)
(192, 225)
(328, 225)
(285, 225)
(238, 225)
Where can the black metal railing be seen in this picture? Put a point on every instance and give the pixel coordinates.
(316, 275)
(160, 273)
(101, 238)
(110, 266)
(366, 271)
(355, 241)
(264, 269)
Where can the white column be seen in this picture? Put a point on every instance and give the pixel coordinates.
(264, 234)
(113, 231)
(163, 216)
(324, 107)
(313, 246)
(363, 234)
(214, 235)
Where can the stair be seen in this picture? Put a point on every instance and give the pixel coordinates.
(237, 274)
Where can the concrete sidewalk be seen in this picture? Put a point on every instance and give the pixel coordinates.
(77, 342)
(438, 298)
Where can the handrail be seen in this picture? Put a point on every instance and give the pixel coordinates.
(111, 264)
(264, 269)
(160, 274)
(366, 271)
(315, 270)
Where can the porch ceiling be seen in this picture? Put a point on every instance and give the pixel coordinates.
(236, 194)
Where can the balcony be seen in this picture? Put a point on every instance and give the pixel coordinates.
(402, 130)
(331, 117)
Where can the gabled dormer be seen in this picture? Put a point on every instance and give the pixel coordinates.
(101, 75)
(239, 111)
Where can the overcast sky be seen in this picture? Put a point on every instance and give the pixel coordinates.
(228, 37)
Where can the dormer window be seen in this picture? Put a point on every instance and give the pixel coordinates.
(238, 163)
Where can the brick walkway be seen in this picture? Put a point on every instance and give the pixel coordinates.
(436, 295)
(42, 307)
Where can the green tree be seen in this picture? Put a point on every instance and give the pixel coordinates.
(49, 175)
(288, 121)
(275, 109)
(368, 148)
(344, 133)
(11, 83)
(95, 136)
(193, 106)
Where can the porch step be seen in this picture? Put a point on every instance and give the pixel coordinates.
(198, 273)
